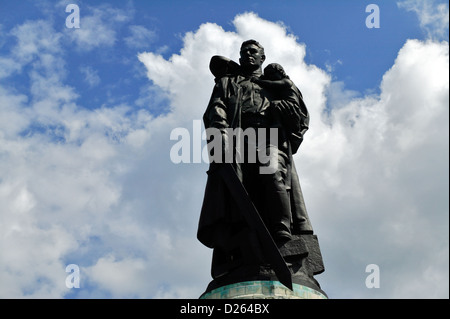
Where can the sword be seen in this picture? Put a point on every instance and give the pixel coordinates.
(254, 221)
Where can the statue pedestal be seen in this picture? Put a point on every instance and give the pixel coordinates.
(246, 279)
(263, 289)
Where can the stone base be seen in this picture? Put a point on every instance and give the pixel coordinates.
(263, 290)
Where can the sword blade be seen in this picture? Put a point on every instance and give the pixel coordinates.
(254, 221)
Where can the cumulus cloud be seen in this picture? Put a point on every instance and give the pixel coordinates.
(98, 27)
(386, 179)
(90, 76)
(35, 38)
(8, 66)
(140, 37)
(433, 17)
(366, 181)
(97, 187)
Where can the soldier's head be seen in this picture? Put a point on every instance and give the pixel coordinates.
(252, 55)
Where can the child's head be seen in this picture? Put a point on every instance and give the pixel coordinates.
(274, 71)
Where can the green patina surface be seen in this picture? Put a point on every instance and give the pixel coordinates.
(263, 290)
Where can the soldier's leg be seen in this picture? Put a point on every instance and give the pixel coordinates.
(276, 198)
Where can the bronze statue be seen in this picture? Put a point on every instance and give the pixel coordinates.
(246, 100)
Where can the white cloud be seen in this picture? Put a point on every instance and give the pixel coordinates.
(90, 76)
(434, 18)
(66, 169)
(12, 120)
(98, 29)
(140, 37)
(338, 96)
(8, 66)
(124, 278)
(34, 38)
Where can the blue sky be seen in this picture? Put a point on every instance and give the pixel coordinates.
(336, 37)
(86, 115)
